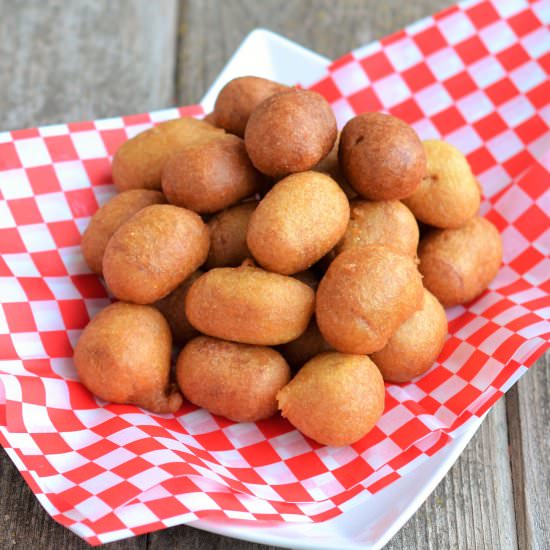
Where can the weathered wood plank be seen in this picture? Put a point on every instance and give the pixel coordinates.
(24, 524)
(210, 31)
(472, 507)
(183, 537)
(64, 61)
(528, 408)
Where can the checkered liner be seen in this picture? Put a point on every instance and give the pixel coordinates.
(475, 74)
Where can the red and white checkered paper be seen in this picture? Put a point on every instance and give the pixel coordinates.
(475, 74)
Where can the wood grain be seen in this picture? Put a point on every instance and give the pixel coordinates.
(63, 61)
(24, 524)
(472, 507)
(183, 537)
(528, 408)
(210, 30)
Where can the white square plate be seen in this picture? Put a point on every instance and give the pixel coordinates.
(371, 520)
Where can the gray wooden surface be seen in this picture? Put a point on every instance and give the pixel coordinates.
(81, 59)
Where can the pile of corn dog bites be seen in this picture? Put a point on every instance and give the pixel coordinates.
(283, 259)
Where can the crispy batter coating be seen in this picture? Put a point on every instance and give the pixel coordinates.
(238, 381)
(228, 229)
(449, 195)
(208, 177)
(239, 97)
(381, 156)
(458, 264)
(298, 222)
(416, 344)
(123, 356)
(211, 119)
(389, 223)
(290, 132)
(308, 345)
(153, 252)
(364, 296)
(330, 165)
(173, 309)
(335, 398)
(138, 163)
(109, 218)
(249, 305)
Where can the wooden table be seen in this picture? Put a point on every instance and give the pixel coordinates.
(85, 59)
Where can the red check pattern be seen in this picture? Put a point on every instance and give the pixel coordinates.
(475, 74)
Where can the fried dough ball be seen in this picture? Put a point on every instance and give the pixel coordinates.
(458, 264)
(364, 296)
(416, 344)
(173, 309)
(211, 119)
(381, 156)
(109, 218)
(208, 177)
(389, 223)
(449, 195)
(228, 236)
(330, 165)
(290, 132)
(239, 97)
(297, 222)
(153, 252)
(335, 398)
(249, 305)
(310, 343)
(238, 381)
(138, 163)
(123, 356)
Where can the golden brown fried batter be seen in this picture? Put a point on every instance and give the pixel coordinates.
(153, 252)
(381, 156)
(173, 309)
(389, 223)
(449, 195)
(238, 381)
(138, 163)
(308, 345)
(335, 398)
(249, 305)
(239, 97)
(123, 356)
(109, 218)
(458, 264)
(208, 177)
(364, 296)
(228, 229)
(416, 344)
(290, 132)
(298, 222)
